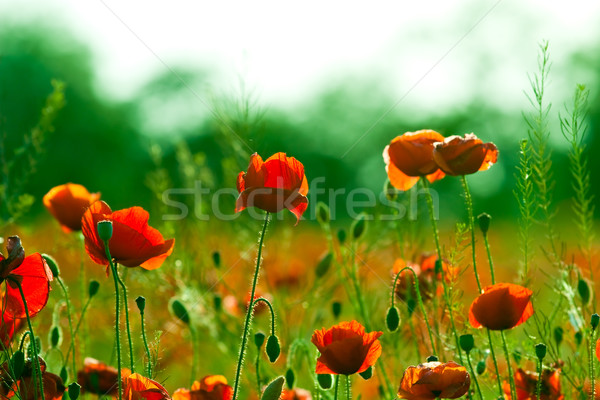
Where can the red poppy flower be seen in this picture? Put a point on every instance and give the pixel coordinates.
(501, 306)
(464, 155)
(26, 385)
(526, 384)
(138, 387)
(434, 380)
(272, 185)
(425, 273)
(99, 378)
(32, 273)
(346, 348)
(295, 394)
(410, 156)
(133, 242)
(67, 203)
(212, 387)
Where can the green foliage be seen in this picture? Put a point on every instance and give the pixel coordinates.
(524, 193)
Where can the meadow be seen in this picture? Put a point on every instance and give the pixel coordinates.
(271, 286)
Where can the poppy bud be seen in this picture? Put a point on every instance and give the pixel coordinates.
(324, 265)
(336, 308)
(392, 319)
(74, 390)
(273, 348)
(578, 337)
(558, 335)
(38, 345)
(480, 367)
(484, 222)
(52, 264)
(432, 359)
(540, 351)
(55, 336)
(359, 226)
(584, 290)
(323, 214)
(64, 375)
(17, 363)
(391, 193)
(290, 378)
(467, 342)
(273, 390)
(217, 302)
(438, 266)
(259, 339)
(179, 311)
(141, 303)
(341, 234)
(595, 320)
(216, 256)
(325, 381)
(367, 373)
(93, 287)
(105, 230)
(410, 306)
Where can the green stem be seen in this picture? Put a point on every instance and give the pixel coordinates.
(84, 344)
(126, 306)
(113, 269)
(419, 300)
(69, 316)
(592, 372)
(348, 388)
(249, 312)
(258, 372)
(436, 235)
(31, 338)
(195, 354)
(538, 386)
(148, 354)
(513, 392)
(489, 255)
(474, 375)
(337, 384)
(268, 303)
(72, 347)
(495, 363)
(469, 203)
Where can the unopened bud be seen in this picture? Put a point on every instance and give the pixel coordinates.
(484, 222)
(341, 234)
(179, 311)
(273, 348)
(323, 214)
(558, 335)
(480, 367)
(55, 336)
(290, 378)
(392, 319)
(216, 256)
(584, 290)
(540, 351)
(336, 308)
(259, 339)
(359, 226)
(595, 320)
(52, 264)
(141, 303)
(324, 265)
(74, 390)
(93, 288)
(467, 342)
(325, 381)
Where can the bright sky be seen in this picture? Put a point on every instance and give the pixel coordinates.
(430, 52)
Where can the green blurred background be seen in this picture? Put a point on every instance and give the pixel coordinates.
(189, 120)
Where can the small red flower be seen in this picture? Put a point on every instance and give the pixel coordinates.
(212, 387)
(346, 348)
(99, 378)
(434, 380)
(410, 156)
(133, 242)
(425, 272)
(272, 185)
(67, 203)
(466, 155)
(526, 384)
(501, 306)
(138, 387)
(32, 273)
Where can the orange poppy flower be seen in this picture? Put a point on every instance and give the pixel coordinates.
(346, 348)
(526, 383)
(466, 155)
(425, 273)
(99, 378)
(26, 386)
(434, 380)
(67, 203)
(212, 387)
(133, 242)
(501, 306)
(295, 394)
(410, 156)
(138, 387)
(272, 185)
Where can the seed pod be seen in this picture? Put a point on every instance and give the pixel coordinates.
(273, 348)
(392, 319)
(141, 303)
(484, 222)
(467, 342)
(325, 381)
(52, 264)
(105, 230)
(367, 373)
(93, 288)
(540, 351)
(324, 265)
(290, 378)
(179, 311)
(259, 339)
(432, 359)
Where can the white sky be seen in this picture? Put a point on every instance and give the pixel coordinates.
(286, 51)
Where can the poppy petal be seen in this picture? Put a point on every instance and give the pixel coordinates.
(34, 277)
